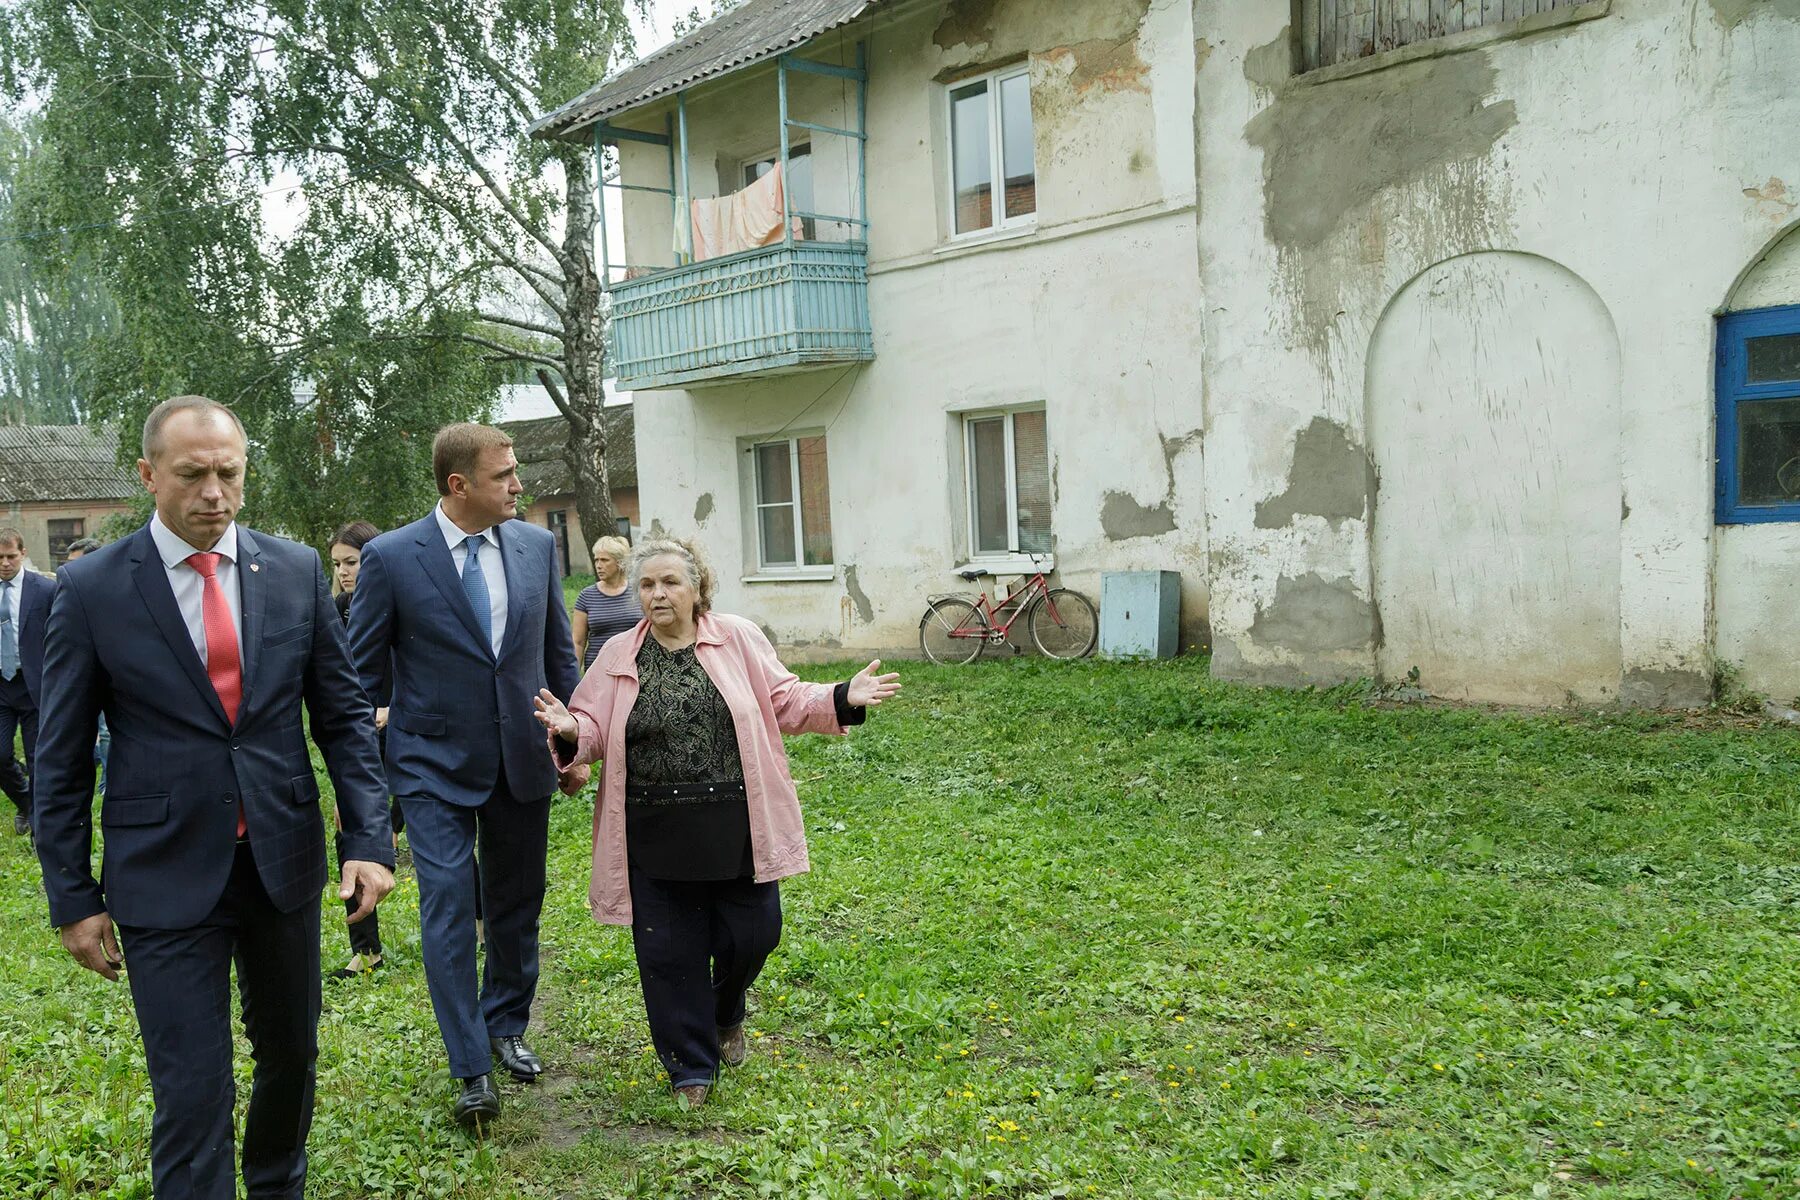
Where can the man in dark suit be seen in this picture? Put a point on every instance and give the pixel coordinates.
(462, 614)
(24, 608)
(202, 643)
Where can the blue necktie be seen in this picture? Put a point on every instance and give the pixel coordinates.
(474, 587)
(9, 636)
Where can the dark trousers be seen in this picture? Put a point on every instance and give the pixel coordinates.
(514, 839)
(17, 715)
(181, 988)
(699, 948)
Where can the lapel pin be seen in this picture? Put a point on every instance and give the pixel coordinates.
(255, 567)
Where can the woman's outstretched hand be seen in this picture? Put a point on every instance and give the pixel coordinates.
(868, 690)
(552, 715)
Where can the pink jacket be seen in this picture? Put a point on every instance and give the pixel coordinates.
(765, 700)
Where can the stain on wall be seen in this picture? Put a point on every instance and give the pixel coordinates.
(1331, 477)
(1112, 66)
(1328, 150)
(1272, 63)
(1123, 516)
(1732, 13)
(966, 23)
(1657, 687)
(865, 611)
(703, 507)
(1314, 615)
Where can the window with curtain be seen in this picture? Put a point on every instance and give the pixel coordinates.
(1008, 456)
(793, 503)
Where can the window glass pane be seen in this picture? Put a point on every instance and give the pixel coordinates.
(971, 157)
(777, 530)
(1769, 451)
(1031, 463)
(815, 502)
(774, 477)
(1774, 358)
(1016, 145)
(987, 469)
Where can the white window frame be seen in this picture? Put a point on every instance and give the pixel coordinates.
(996, 157)
(799, 568)
(1012, 551)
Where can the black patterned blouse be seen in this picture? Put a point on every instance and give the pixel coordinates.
(679, 739)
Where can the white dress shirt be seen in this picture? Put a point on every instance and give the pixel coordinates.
(189, 585)
(493, 569)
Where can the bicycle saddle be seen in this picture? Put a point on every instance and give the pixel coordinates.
(972, 574)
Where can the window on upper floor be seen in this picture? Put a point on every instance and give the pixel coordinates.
(793, 504)
(993, 162)
(799, 183)
(1758, 431)
(1008, 460)
(1336, 31)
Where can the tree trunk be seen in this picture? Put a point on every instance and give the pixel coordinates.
(584, 352)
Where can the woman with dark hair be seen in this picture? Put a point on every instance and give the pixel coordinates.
(345, 553)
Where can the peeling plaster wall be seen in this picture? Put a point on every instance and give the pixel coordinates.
(1651, 154)
(1095, 316)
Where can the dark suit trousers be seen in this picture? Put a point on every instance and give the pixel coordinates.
(17, 714)
(514, 839)
(181, 987)
(699, 945)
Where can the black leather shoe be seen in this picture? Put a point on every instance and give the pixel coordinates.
(21, 824)
(518, 1059)
(478, 1104)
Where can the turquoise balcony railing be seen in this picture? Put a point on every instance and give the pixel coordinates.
(766, 311)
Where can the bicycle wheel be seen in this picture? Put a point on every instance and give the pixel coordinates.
(1064, 624)
(952, 632)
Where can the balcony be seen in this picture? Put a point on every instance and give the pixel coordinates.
(756, 313)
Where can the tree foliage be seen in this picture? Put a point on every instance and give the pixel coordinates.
(325, 213)
(50, 306)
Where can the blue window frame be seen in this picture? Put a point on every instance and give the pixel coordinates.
(1758, 391)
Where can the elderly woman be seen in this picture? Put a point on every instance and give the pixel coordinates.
(607, 606)
(697, 816)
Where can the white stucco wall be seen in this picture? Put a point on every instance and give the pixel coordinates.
(1094, 315)
(1647, 153)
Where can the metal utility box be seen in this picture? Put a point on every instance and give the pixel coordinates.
(1140, 614)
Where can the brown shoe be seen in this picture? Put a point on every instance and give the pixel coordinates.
(733, 1049)
(692, 1096)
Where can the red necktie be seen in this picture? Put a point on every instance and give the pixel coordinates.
(222, 665)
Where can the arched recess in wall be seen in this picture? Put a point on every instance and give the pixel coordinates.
(1772, 278)
(1492, 408)
(1756, 623)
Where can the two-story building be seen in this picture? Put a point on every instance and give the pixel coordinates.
(977, 340)
(1460, 336)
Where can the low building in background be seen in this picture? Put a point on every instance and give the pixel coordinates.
(58, 483)
(538, 445)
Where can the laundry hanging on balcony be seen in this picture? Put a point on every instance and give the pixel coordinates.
(740, 221)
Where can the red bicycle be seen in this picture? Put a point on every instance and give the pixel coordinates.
(1063, 623)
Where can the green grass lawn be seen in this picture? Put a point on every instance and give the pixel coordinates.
(1109, 930)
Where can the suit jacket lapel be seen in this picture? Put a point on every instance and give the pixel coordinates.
(434, 556)
(250, 608)
(153, 585)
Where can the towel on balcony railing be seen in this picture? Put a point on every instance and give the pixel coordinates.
(740, 221)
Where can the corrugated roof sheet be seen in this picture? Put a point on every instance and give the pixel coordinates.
(62, 462)
(751, 32)
(538, 445)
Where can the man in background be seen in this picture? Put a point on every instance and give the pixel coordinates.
(24, 609)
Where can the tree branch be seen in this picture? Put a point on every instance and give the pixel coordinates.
(520, 323)
(556, 395)
(514, 352)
